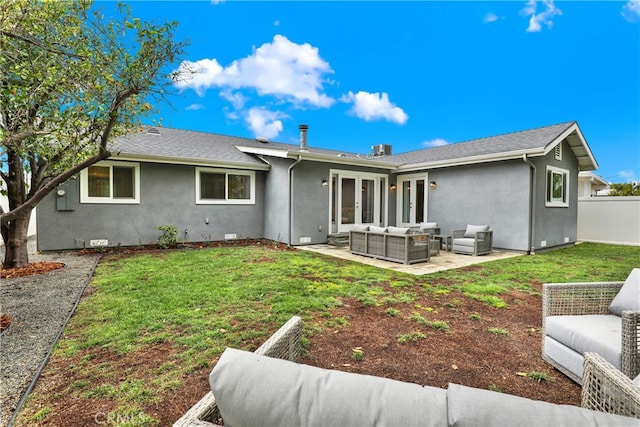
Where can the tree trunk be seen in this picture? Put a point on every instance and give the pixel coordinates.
(15, 241)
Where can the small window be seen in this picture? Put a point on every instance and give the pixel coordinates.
(557, 187)
(221, 186)
(557, 151)
(110, 182)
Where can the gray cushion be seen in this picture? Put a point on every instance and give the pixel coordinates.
(360, 227)
(564, 356)
(374, 229)
(464, 241)
(473, 229)
(428, 225)
(398, 230)
(255, 390)
(629, 296)
(600, 334)
(476, 407)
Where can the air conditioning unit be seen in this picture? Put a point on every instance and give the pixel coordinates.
(381, 150)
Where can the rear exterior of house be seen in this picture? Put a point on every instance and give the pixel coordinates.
(213, 187)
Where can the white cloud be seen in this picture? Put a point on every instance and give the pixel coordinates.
(627, 176)
(282, 69)
(437, 142)
(490, 17)
(631, 11)
(374, 106)
(263, 122)
(538, 19)
(236, 99)
(195, 107)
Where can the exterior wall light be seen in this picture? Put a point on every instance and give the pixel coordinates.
(433, 185)
(325, 183)
(392, 187)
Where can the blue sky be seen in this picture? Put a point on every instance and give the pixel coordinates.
(410, 74)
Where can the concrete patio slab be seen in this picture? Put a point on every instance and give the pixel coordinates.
(443, 261)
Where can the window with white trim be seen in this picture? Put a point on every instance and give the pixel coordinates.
(110, 182)
(225, 186)
(557, 187)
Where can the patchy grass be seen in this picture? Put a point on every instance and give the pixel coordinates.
(186, 306)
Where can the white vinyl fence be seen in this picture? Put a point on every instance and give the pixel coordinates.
(609, 219)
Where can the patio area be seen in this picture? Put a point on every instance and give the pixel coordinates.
(444, 261)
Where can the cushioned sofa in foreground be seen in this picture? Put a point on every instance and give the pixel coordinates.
(255, 390)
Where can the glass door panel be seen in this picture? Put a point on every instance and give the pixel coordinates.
(367, 201)
(406, 202)
(348, 205)
(419, 203)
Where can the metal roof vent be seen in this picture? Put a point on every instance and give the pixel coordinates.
(153, 131)
(262, 139)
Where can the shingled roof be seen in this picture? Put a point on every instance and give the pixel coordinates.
(533, 142)
(169, 145)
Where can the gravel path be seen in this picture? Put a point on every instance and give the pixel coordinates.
(39, 307)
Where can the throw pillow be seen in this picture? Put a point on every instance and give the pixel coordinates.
(428, 225)
(375, 229)
(360, 227)
(473, 229)
(629, 296)
(397, 230)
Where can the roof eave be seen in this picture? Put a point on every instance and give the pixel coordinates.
(189, 161)
(586, 160)
(511, 155)
(317, 157)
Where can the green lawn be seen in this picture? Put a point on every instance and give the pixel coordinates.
(200, 301)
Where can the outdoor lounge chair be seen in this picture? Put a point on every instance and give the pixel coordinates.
(606, 389)
(474, 240)
(598, 317)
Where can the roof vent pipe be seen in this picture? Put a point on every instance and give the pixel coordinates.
(303, 137)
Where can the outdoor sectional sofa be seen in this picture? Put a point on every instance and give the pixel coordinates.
(395, 244)
(255, 390)
(602, 318)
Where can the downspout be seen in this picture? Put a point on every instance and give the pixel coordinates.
(532, 205)
(290, 172)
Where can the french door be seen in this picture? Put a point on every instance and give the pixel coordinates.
(357, 198)
(412, 199)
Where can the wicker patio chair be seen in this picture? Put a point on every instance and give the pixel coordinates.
(474, 240)
(284, 344)
(606, 389)
(563, 299)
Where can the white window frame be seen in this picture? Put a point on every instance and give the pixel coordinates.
(226, 201)
(550, 201)
(84, 184)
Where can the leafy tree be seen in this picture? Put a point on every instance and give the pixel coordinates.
(71, 80)
(625, 189)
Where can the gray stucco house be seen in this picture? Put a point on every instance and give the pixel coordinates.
(214, 187)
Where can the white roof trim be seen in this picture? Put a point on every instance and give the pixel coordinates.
(318, 157)
(511, 155)
(571, 129)
(190, 162)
